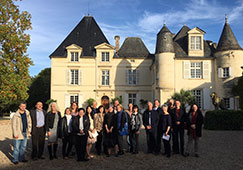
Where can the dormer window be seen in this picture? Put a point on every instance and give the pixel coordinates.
(74, 56)
(196, 43)
(105, 56)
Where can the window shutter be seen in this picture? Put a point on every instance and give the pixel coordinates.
(231, 103)
(126, 76)
(230, 71)
(80, 100)
(206, 99)
(137, 76)
(67, 100)
(205, 69)
(80, 77)
(220, 72)
(68, 77)
(125, 101)
(186, 69)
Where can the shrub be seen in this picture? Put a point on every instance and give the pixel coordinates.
(90, 101)
(224, 120)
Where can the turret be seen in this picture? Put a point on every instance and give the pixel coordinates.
(165, 54)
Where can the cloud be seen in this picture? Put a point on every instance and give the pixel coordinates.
(236, 12)
(195, 10)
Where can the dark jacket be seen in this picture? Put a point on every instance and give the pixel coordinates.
(75, 124)
(154, 119)
(64, 127)
(199, 122)
(138, 121)
(34, 121)
(50, 120)
(123, 120)
(182, 118)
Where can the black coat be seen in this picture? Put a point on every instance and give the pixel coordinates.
(64, 127)
(50, 117)
(75, 124)
(199, 123)
(34, 121)
(182, 118)
(154, 119)
(123, 120)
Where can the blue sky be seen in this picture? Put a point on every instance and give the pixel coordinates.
(53, 20)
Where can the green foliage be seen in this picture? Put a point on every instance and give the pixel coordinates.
(224, 120)
(238, 91)
(39, 89)
(143, 102)
(185, 97)
(119, 98)
(14, 63)
(50, 101)
(90, 101)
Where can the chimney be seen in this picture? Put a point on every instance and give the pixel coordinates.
(117, 38)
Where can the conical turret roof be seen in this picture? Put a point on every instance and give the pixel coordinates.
(164, 41)
(227, 39)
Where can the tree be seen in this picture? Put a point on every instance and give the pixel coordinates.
(185, 97)
(119, 98)
(90, 101)
(14, 63)
(40, 89)
(238, 91)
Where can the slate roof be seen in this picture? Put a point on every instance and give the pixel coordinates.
(227, 40)
(164, 41)
(133, 47)
(87, 34)
(181, 44)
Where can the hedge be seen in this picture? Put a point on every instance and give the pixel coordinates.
(224, 120)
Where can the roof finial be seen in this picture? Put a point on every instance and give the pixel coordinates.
(184, 24)
(88, 8)
(164, 22)
(226, 18)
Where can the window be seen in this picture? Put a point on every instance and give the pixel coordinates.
(74, 98)
(196, 43)
(105, 77)
(74, 56)
(132, 77)
(196, 70)
(227, 102)
(198, 97)
(226, 72)
(74, 77)
(132, 98)
(105, 56)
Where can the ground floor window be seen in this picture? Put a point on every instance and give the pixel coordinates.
(227, 102)
(198, 97)
(74, 98)
(132, 97)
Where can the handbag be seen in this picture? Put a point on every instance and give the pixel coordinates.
(124, 130)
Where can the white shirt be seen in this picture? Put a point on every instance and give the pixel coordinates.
(69, 117)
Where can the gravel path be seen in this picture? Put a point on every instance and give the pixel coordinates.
(219, 150)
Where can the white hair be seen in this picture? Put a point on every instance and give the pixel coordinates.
(56, 106)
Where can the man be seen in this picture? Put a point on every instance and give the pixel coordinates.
(21, 127)
(94, 108)
(38, 131)
(171, 106)
(178, 120)
(160, 114)
(116, 103)
(150, 122)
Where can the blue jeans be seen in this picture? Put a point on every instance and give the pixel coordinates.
(19, 148)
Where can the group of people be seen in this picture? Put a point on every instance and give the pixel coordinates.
(106, 128)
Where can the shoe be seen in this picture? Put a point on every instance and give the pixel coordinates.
(133, 153)
(55, 157)
(24, 161)
(65, 157)
(51, 157)
(163, 153)
(85, 160)
(136, 152)
(107, 155)
(35, 159)
(186, 154)
(196, 155)
(183, 155)
(168, 156)
(116, 155)
(15, 163)
(121, 153)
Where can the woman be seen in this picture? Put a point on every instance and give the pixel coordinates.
(53, 128)
(92, 132)
(98, 125)
(66, 130)
(194, 125)
(121, 120)
(166, 129)
(110, 133)
(74, 108)
(81, 125)
(134, 126)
